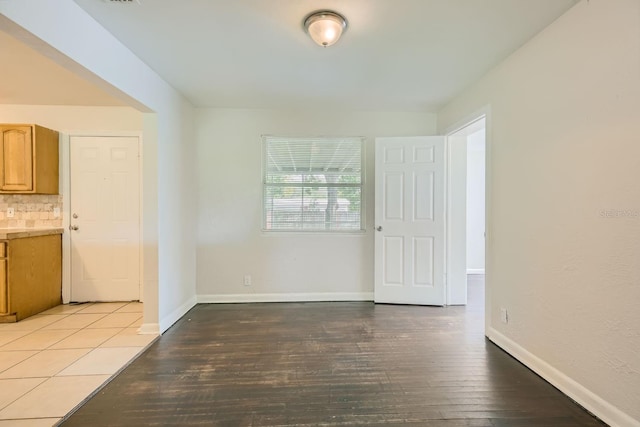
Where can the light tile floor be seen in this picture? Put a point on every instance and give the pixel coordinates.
(51, 362)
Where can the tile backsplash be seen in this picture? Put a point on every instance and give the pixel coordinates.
(30, 210)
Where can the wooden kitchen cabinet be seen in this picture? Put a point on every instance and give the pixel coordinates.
(3, 280)
(28, 159)
(30, 274)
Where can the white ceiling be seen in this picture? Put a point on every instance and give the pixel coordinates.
(402, 55)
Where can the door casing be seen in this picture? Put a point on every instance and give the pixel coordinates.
(486, 113)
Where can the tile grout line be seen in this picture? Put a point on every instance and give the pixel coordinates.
(38, 351)
(118, 330)
(23, 394)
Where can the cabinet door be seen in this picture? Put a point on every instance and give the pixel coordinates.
(16, 158)
(4, 296)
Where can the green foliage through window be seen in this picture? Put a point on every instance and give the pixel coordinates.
(313, 184)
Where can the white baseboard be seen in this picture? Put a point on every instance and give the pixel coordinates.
(175, 315)
(294, 297)
(149, 329)
(576, 391)
(475, 270)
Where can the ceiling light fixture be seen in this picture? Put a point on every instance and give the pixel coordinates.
(325, 27)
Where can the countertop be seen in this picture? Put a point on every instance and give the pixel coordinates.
(18, 233)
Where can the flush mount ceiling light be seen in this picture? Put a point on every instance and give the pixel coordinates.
(325, 27)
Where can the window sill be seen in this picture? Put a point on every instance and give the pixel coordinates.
(282, 233)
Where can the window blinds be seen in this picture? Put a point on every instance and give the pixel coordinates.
(313, 184)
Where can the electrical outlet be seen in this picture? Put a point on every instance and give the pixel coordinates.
(247, 280)
(56, 212)
(10, 212)
(504, 316)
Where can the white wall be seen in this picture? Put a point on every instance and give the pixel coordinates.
(177, 211)
(564, 196)
(60, 30)
(230, 241)
(65, 119)
(475, 202)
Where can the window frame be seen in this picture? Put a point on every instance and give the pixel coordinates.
(362, 186)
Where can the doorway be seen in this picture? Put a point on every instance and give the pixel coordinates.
(411, 243)
(466, 216)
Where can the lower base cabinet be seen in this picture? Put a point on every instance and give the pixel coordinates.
(30, 276)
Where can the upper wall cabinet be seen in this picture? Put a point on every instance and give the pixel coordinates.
(29, 159)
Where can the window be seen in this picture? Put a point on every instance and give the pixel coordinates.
(313, 184)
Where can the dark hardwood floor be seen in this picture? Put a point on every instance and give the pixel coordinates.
(330, 364)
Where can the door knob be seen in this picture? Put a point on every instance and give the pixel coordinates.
(73, 227)
(379, 228)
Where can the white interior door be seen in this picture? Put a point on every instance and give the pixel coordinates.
(410, 220)
(105, 218)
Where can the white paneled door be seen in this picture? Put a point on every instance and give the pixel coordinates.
(410, 220)
(105, 218)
